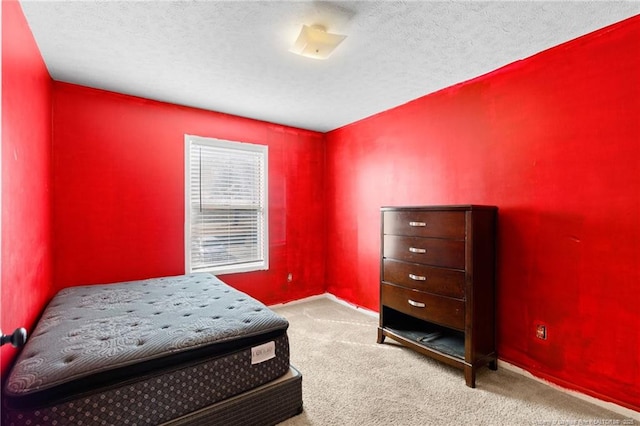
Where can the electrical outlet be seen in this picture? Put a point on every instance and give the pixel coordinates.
(541, 331)
(289, 277)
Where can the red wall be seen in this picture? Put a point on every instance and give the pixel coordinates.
(554, 141)
(118, 179)
(26, 176)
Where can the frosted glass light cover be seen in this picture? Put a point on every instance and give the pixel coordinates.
(315, 42)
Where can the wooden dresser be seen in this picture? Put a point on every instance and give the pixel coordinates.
(437, 289)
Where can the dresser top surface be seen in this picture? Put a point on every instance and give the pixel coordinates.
(461, 207)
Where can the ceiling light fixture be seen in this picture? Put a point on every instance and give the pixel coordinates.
(315, 42)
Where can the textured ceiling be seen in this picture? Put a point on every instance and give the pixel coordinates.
(232, 56)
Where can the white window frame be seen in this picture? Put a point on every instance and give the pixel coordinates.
(227, 145)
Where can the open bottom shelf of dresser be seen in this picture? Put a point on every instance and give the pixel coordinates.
(447, 348)
(431, 339)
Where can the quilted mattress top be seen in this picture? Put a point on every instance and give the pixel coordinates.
(98, 328)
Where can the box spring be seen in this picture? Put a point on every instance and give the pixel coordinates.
(266, 405)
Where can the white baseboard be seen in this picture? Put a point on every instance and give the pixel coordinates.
(351, 305)
(623, 411)
(298, 301)
(330, 297)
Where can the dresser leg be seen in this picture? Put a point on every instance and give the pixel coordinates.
(470, 376)
(380, 336)
(493, 365)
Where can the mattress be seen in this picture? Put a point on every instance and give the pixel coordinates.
(151, 350)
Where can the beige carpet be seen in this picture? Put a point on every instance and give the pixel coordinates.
(349, 379)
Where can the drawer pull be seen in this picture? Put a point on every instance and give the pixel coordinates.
(416, 304)
(417, 250)
(417, 224)
(417, 277)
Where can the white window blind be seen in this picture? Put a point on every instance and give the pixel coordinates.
(226, 208)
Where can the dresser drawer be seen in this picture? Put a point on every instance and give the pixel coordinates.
(428, 251)
(445, 282)
(437, 309)
(442, 224)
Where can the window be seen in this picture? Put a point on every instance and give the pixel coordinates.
(225, 206)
